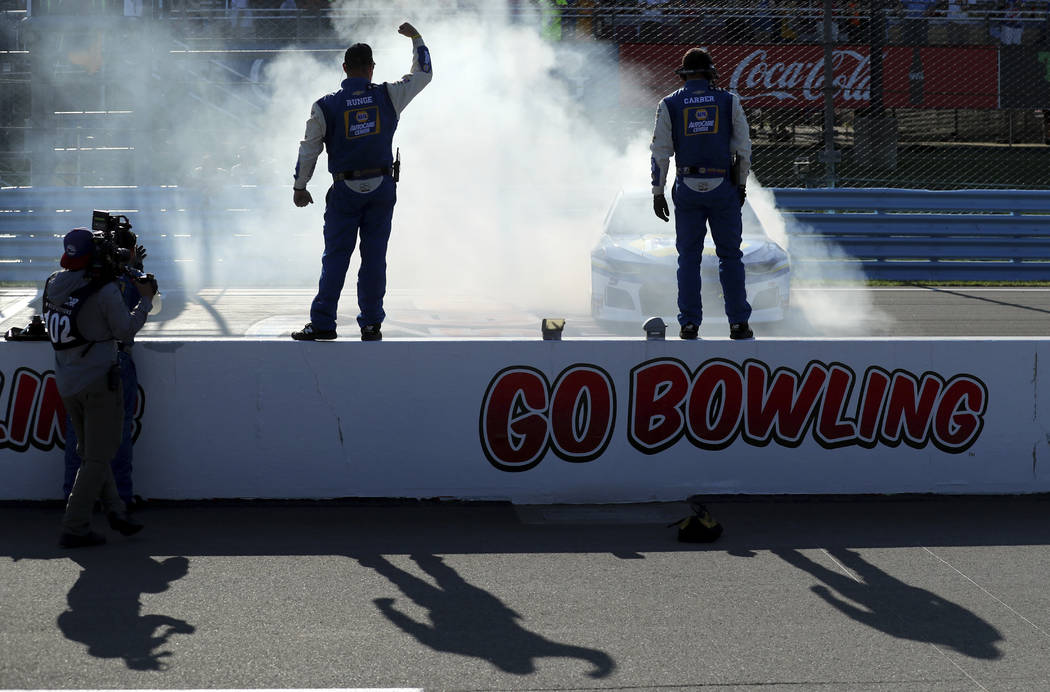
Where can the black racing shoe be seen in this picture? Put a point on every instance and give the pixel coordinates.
(77, 540)
(311, 333)
(741, 332)
(123, 524)
(689, 331)
(371, 332)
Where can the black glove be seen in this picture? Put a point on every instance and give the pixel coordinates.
(741, 193)
(140, 254)
(663, 212)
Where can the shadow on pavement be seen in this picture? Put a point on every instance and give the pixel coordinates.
(885, 603)
(105, 610)
(470, 621)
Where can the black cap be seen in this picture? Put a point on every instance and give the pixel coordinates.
(697, 61)
(358, 55)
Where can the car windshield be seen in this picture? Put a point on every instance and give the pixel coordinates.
(633, 215)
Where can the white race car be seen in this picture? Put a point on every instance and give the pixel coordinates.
(634, 266)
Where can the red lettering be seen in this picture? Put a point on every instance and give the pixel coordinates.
(910, 408)
(522, 417)
(960, 414)
(873, 395)
(21, 406)
(832, 429)
(51, 416)
(781, 410)
(583, 412)
(658, 392)
(716, 405)
(514, 429)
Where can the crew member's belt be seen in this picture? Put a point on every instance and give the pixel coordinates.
(362, 173)
(704, 171)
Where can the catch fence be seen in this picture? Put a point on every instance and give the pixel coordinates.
(949, 94)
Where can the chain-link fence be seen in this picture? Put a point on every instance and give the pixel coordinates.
(924, 93)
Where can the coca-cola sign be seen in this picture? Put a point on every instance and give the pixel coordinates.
(792, 76)
(757, 76)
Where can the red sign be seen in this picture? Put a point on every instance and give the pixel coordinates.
(523, 416)
(792, 76)
(36, 416)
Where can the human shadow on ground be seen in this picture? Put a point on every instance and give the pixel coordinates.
(885, 603)
(105, 610)
(470, 621)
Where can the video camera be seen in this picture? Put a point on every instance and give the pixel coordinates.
(114, 243)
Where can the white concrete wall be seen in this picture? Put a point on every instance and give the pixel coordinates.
(280, 419)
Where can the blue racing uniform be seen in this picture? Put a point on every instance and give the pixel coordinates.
(704, 127)
(356, 126)
(121, 463)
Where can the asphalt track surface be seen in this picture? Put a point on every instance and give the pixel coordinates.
(914, 593)
(844, 594)
(906, 311)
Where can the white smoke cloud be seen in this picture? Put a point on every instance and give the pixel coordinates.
(819, 309)
(511, 158)
(506, 176)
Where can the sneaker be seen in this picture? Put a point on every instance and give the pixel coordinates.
(122, 524)
(77, 540)
(689, 331)
(311, 333)
(371, 332)
(741, 332)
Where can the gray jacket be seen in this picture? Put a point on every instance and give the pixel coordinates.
(104, 319)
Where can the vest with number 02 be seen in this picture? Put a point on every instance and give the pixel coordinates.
(359, 126)
(61, 320)
(701, 126)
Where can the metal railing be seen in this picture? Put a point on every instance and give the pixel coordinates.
(891, 234)
(919, 235)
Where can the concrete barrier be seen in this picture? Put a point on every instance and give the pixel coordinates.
(569, 421)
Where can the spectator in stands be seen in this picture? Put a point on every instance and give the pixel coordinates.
(853, 22)
(652, 20)
(1012, 27)
(241, 20)
(788, 33)
(585, 10)
(794, 25)
(551, 18)
(915, 17)
(763, 24)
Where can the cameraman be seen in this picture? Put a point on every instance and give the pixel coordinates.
(127, 281)
(86, 317)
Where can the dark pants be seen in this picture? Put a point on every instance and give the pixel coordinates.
(693, 210)
(347, 214)
(121, 464)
